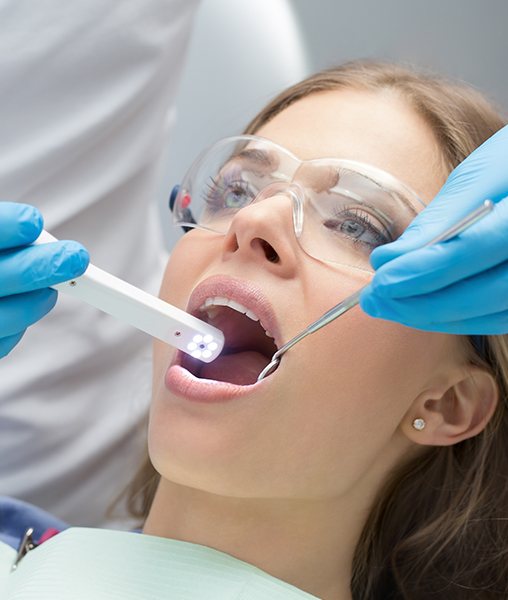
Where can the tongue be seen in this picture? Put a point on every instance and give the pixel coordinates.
(241, 368)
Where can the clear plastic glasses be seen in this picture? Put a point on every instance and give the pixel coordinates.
(341, 209)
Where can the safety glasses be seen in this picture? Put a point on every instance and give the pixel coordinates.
(340, 209)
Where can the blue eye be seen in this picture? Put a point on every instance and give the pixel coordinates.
(233, 194)
(357, 225)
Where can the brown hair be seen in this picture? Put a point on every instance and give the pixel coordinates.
(439, 527)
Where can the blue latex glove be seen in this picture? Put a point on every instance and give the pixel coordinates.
(459, 286)
(27, 271)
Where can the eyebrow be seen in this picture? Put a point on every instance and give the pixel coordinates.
(390, 191)
(266, 160)
(259, 157)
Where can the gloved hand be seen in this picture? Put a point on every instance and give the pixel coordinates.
(27, 271)
(459, 286)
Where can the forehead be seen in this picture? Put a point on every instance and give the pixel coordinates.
(378, 128)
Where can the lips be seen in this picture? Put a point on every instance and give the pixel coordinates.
(243, 292)
(227, 377)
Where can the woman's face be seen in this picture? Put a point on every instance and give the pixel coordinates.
(330, 417)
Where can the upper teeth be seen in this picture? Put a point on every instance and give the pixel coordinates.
(210, 303)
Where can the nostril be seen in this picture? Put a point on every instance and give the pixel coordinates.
(270, 253)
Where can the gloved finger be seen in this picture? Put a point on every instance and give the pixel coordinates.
(482, 175)
(20, 224)
(40, 266)
(477, 296)
(22, 310)
(431, 268)
(8, 343)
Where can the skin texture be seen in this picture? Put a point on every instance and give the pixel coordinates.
(284, 479)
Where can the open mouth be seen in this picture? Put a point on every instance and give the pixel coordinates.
(248, 346)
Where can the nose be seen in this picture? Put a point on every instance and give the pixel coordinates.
(264, 231)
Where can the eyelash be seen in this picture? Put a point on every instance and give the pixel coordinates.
(364, 217)
(214, 187)
(211, 186)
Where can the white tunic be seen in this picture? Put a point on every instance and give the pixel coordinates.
(84, 88)
(87, 90)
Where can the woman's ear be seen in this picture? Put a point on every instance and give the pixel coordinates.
(460, 412)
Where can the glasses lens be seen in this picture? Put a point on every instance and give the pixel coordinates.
(227, 178)
(351, 209)
(348, 208)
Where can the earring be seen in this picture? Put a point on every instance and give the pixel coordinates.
(419, 424)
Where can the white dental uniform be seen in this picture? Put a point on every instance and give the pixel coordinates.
(87, 95)
(87, 91)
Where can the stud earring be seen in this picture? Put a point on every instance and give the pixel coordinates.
(419, 424)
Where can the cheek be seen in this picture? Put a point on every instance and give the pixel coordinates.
(174, 294)
(362, 375)
(359, 356)
(351, 385)
(184, 270)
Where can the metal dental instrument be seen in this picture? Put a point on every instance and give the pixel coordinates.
(353, 300)
(142, 310)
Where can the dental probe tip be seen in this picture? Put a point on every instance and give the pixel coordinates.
(269, 369)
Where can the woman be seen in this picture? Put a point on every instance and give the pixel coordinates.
(373, 462)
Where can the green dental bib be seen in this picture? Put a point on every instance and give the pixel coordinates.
(97, 564)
